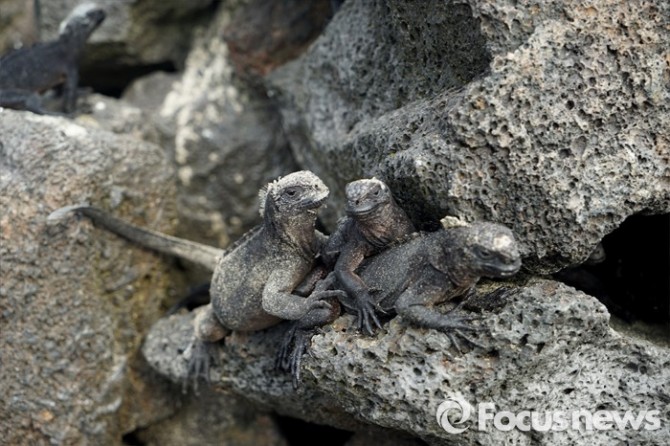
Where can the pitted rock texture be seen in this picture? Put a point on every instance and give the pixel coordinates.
(545, 347)
(552, 119)
(228, 142)
(75, 302)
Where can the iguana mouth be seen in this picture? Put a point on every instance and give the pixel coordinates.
(311, 206)
(361, 211)
(503, 270)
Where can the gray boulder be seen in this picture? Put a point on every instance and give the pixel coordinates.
(75, 301)
(550, 119)
(119, 116)
(227, 142)
(545, 347)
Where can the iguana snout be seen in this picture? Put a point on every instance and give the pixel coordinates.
(492, 250)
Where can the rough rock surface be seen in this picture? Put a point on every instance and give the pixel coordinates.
(120, 117)
(263, 35)
(228, 142)
(148, 92)
(213, 418)
(546, 347)
(550, 118)
(75, 301)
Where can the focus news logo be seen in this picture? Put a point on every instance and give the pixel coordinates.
(457, 407)
(455, 415)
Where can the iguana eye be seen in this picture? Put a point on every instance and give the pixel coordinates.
(484, 253)
(290, 192)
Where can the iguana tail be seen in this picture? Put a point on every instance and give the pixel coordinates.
(199, 253)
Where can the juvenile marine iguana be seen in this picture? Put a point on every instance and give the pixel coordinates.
(26, 72)
(253, 282)
(433, 268)
(373, 222)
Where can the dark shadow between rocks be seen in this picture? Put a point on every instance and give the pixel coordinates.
(113, 80)
(301, 433)
(633, 280)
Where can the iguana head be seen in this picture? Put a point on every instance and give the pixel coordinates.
(297, 194)
(82, 21)
(366, 196)
(486, 249)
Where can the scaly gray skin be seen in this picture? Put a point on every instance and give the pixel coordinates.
(374, 221)
(410, 279)
(27, 72)
(253, 281)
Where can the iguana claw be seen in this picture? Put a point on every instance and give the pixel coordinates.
(202, 356)
(294, 345)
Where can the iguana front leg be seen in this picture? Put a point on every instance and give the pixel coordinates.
(306, 313)
(70, 89)
(311, 280)
(360, 300)
(279, 298)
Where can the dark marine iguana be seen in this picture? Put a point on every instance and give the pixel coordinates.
(26, 72)
(373, 222)
(253, 282)
(410, 279)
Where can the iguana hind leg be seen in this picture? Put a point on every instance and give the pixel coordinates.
(204, 350)
(416, 305)
(24, 100)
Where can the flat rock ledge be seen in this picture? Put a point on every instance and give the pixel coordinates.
(544, 347)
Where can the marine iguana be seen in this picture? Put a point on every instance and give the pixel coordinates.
(433, 268)
(26, 72)
(373, 222)
(253, 281)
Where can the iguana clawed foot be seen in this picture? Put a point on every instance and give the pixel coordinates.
(453, 327)
(201, 356)
(298, 337)
(366, 314)
(294, 345)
